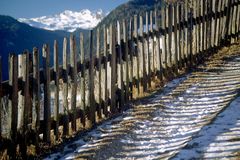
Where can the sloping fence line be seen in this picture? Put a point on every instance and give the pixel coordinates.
(42, 106)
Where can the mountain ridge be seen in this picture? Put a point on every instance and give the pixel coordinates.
(67, 20)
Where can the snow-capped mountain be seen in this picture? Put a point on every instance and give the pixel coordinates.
(67, 20)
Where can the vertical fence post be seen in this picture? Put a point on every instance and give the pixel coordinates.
(186, 32)
(148, 54)
(65, 89)
(158, 51)
(73, 64)
(126, 54)
(170, 30)
(82, 83)
(105, 50)
(36, 98)
(142, 56)
(120, 68)
(224, 11)
(208, 14)
(202, 26)
(47, 107)
(56, 91)
(135, 37)
(112, 39)
(163, 25)
(99, 58)
(191, 35)
(26, 116)
(21, 74)
(175, 19)
(12, 111)
(152, 45)
(131, 57)
(181, 35)
(92, 106)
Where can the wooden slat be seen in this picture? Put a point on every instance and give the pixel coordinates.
(120, 69)
(99, 97)
(126, 57)
(73, 65)
(198, 7)
(194, 31)
(92, 107)
(105, 48)
(56, 91)
(21, 74)
(191, 36)
(213, 23)
(158, 52)
(186, 53)
(112, 37)
(175, 19)
(169, 34)
(181, 36)
(148, 53)
(238, 24)
(217, 23)
(142, 56)
(12, 110)
(207, 30)
(65, 89)
(164, 49)
(47, 107)
(83, 79)
(152, 54)
(131, 48)
(234, 14)
(36, 98)
(238, 18)
(27, 98)
(136, 50)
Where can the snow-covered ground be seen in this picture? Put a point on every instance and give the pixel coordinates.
(218, 140)
(182, 118)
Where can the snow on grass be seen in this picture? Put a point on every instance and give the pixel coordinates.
(218, 140)
(105, 130)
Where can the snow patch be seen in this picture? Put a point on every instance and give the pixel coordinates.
(67, 20)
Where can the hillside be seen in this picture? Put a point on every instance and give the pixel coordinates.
(17, 36)
(127, 10)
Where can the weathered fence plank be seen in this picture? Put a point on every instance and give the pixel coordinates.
(112, 37)
(65, 89)
(47, 107)
(82, 80)
(131, 48)
(148, 53)
(73, 67)
(158, 50)
(36, 98)
(142, 56)
(119, 68)
(56, 90)
(92, 107)
(126, 57)
(99, 74)
(12, 110)
(105, 52)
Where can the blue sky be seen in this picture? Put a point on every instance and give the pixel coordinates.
(36, 8)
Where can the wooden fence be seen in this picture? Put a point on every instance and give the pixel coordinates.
(41, 106)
